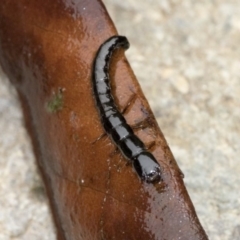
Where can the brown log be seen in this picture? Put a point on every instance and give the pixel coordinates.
(47, 48)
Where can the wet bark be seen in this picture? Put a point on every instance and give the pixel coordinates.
(47, 50)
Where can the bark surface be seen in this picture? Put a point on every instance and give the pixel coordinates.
(47, 49)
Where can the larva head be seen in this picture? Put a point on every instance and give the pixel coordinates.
(147, 167)
(122, 42)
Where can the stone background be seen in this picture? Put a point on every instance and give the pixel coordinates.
(186, 55)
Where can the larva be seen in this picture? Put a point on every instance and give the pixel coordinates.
(113, 122)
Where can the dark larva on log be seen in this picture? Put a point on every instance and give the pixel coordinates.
(113, 122)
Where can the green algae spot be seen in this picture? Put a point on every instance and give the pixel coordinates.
(55, 104)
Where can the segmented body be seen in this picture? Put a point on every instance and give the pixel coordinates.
(113, 122)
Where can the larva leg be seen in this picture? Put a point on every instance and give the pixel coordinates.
(100, 137)
(142, 124)
(130, 102)
(139, 125)
(116, 151)
(150, 146)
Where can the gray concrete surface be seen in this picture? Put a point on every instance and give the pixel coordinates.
(186, 55)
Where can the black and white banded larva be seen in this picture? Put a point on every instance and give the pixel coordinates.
(115, 125)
